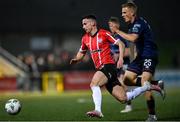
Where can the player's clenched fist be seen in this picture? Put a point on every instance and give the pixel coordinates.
(73, 61)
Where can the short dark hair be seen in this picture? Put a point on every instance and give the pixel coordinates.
(114, 19)
(90, 16)
(131, 5)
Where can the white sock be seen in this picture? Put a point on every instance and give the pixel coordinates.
(97, 97)
(136, 92)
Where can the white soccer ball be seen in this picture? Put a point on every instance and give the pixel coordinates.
(13, 106)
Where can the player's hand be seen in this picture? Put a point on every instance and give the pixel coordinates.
(120, 63)
(73, 61)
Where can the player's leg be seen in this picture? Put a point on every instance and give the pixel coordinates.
(118, 91)
(128, 106)
(138, 81)
(134, 69)
(149, 66)
(121, 95)
(98, 80)
(129, 79)
(146, 76)
(139, 65)
(157, 84)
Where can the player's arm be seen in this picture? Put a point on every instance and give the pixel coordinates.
(78, 58)
(126, 48)
(131, 37)
(127, 52)
(80, 55)
(121, 49)
(132, 51)
(121, 53)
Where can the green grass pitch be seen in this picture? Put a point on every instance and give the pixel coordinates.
(72, 106)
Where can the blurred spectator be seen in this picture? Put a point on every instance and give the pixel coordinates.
(50, 64)
(22, 81)
(41, 63)
(65, 58)
(34, 75)
(21, 57)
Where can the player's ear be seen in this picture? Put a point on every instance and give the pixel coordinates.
(133, 14)
(94, 23)
(118, 25)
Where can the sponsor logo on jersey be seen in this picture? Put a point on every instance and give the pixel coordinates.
(99, 40)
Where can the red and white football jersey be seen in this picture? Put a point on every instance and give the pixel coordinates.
(99, 47)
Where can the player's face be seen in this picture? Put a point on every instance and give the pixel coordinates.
(87, 25)
(127, 14)
(112, 25)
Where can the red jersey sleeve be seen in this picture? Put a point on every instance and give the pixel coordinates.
(110, 37)
(83, 49)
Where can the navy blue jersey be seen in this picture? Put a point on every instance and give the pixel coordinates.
(145, 44)
(115, 48)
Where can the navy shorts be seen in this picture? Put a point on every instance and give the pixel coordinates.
(142, 64)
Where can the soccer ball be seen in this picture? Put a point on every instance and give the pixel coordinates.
(13, 106)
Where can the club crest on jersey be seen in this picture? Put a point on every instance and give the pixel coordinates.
(136, 28)
(137, 25)
(99, 40)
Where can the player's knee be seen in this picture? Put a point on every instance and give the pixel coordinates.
(93, 83)
(128, 80)
(122, 99)
(146, 76)
(148, 95)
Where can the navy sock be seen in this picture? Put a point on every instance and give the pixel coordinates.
(154, 82)
(138, 81)
(128, 102)
(151, 106)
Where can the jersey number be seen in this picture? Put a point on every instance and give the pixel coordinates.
(147, 63)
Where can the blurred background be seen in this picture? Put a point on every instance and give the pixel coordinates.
(39, 37)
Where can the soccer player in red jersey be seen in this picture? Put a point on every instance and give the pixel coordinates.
(97, 41)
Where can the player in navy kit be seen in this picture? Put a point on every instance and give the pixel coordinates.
(147, 54)
(126, 58)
